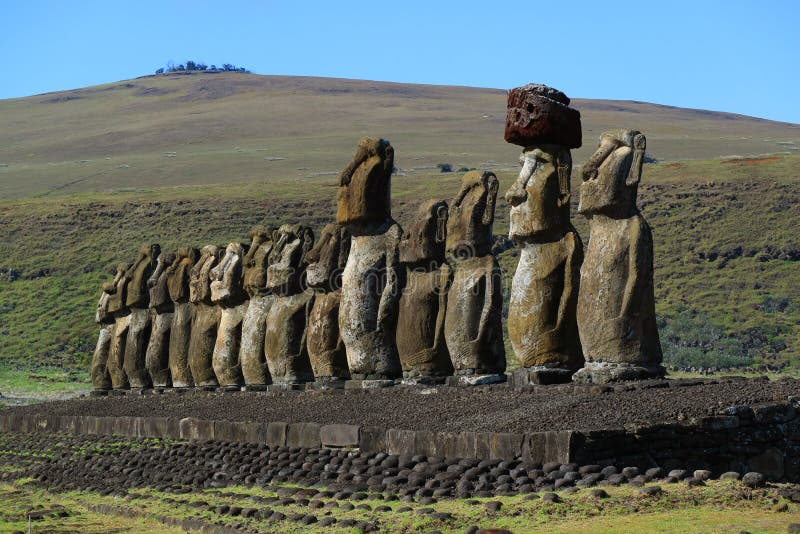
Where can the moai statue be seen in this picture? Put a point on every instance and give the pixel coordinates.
(254, 326)
(138, 299)
(370, 290)
(542, 325)
(117, 308)
(161, 314)
(285, 342)
(180, 333)
(425, 279)
(326, 261)
(205, 319)
(473, 325)
(101, 380)
(616, 305)
(228, 293)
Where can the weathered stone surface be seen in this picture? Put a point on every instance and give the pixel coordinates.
(368, 307)
(121, 314)
(137, 299)
(276, 434)
(228, 293)
(616, 304)
(101, 380)
(339, 435)
(161, 313)
(193, 428)
(254, 326)
(178, 275)
(539, 114)
(285, 346)
(473, 322)
(205, 318)
(769, 463)
(326, 262)
(425, 280)
(303, 435)
(372, 439)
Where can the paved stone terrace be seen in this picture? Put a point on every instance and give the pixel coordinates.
(447, 409)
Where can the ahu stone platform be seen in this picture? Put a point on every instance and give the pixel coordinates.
(721, 425)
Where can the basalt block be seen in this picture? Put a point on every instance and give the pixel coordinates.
(538, 114)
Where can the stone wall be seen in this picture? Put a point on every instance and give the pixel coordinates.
(764, 438)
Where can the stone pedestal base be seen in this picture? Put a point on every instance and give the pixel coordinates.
(286, 386)
(475, 379)
(177, 390)
(324, 382)
(605, 372)
(256, 387)
(422, 379)
(207, 387)
(369, 384)
(99, 392)
(539, 375)
(118, 392)
(229, 389)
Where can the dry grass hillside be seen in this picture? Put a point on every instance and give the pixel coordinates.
(87, 175)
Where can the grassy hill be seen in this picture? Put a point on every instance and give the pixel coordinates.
(90, 174)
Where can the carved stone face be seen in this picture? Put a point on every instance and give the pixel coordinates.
(117, 289)
(199, 278)
(287, 261)
(611, 176)
(540, 196)
(138, 292)
(157, 283)
(326, 260)
(469, 224)
(226, 277)
(425, 239)
(256, 260)
(178, 273)
(365, 185)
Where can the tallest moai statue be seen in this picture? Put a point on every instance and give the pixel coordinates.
(616, 305)
(542, 322)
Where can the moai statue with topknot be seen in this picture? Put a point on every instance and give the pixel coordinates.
(228, 293)
(138, 300)
(473, 323)
(370, 291)
(117, 308)
(542, 324)
(205, 319)
(285, 347)
(178, 275)
(616, 304)
(161, 313)
(254, 325)
(425, 279)
(326, 261)
(101, 380)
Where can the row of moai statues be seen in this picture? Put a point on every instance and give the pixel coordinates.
(370, 303)
(364, 302)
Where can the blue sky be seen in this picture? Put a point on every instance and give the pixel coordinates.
(737, 55)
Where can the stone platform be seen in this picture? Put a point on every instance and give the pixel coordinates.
(732, 424)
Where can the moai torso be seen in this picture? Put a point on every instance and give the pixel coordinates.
(205, 320)
(616, 306)
(473, 322)
(139, 329)
(101, 380)
(251, 352)
(228, 293)
(161, 313)
(368, 308)
(285, 341)
(423, 300)
(326, 261)
(117, 292)
(178, 275)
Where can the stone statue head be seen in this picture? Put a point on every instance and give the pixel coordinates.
(138, 274)
(326, 260)
(226, 276)
(179, 272)
(424, 241)
(540, 196)
(469, 223)
(256, 260)
(200, 275)
(611, 176)
(287, 261)
(364, 196)
(117, 289)
(157, 283)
